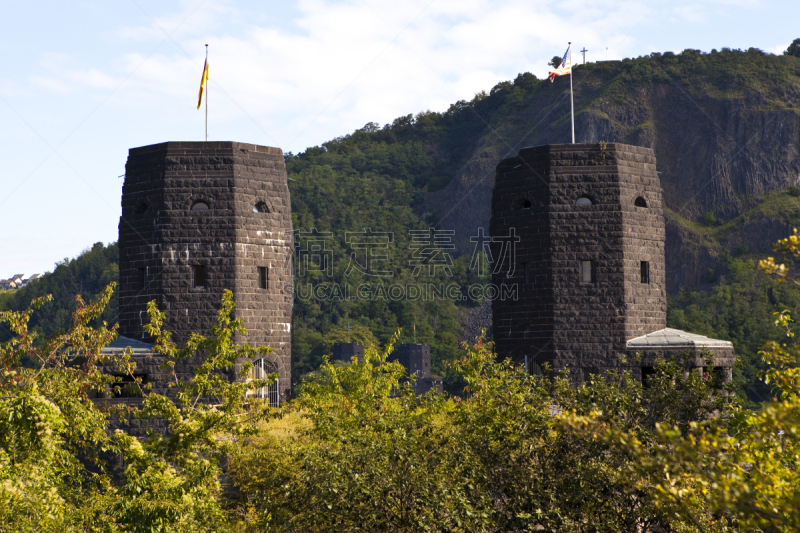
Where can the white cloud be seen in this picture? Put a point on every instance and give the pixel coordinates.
(295, 73)
(57, 76)
(342, 64)
(779, 49)
(692, 13)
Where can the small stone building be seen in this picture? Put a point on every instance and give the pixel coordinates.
(578, 243)
(199, 218)
(345, 351)
(416, 358)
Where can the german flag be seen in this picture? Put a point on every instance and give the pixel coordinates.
(203, 83)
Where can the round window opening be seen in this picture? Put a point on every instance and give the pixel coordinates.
(640, 202)
(200, 206)
(141, 207)
(583, 201)
(260, 207)
(526, 204)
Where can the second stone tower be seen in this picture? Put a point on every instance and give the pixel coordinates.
(589, 259)
(578, 244)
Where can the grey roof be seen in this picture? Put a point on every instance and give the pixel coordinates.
(124, 342)
(675, 338)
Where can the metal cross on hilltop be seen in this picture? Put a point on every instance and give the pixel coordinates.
(584, 54)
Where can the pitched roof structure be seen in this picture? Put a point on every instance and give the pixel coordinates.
(675, 338)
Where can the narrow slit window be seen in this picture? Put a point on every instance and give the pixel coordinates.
(263, 277)
(645, 271)
(586, 272)
(526, 272)
(142, 278)
(199, 275)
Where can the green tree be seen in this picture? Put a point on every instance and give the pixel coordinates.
(794, 49)
(356, 333)
(364, 454)
(745, 466)
(368, 458)
(87, 275)
(555, 62)
(48, 424)
(52, 435)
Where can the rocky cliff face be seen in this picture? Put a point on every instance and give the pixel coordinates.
(725, 128)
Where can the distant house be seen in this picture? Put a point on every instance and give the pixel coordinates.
(17, 280)
(34, 277)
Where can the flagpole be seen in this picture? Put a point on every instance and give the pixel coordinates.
(570, 78)
(571, 103)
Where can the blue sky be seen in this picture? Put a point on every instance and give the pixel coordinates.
(82, 82)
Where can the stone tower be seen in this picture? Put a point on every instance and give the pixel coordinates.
(417, 360)
(199, 218)
(579, 229)
(345, 351)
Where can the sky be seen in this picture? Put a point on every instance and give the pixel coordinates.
(82, 82)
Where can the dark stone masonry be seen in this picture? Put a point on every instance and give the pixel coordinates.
(345, 351)
(417, 360)
(199, 218)
(577, 230)
(580, 231)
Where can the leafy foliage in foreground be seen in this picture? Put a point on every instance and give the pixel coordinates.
(526, 453)
(747, 468)
(368, 456)
(53, 438)
(358, 451)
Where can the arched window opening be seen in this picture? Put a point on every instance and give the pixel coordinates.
(640, 202)
(583, 201)
(260, 207)
(200, 206)
(141, 207)
(261, 369)
(526, 204)
(533, 367)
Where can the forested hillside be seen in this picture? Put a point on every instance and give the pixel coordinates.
(725, 127)
(86, 275)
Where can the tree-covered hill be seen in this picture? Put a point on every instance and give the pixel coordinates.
(86, 275)
(725, 127)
